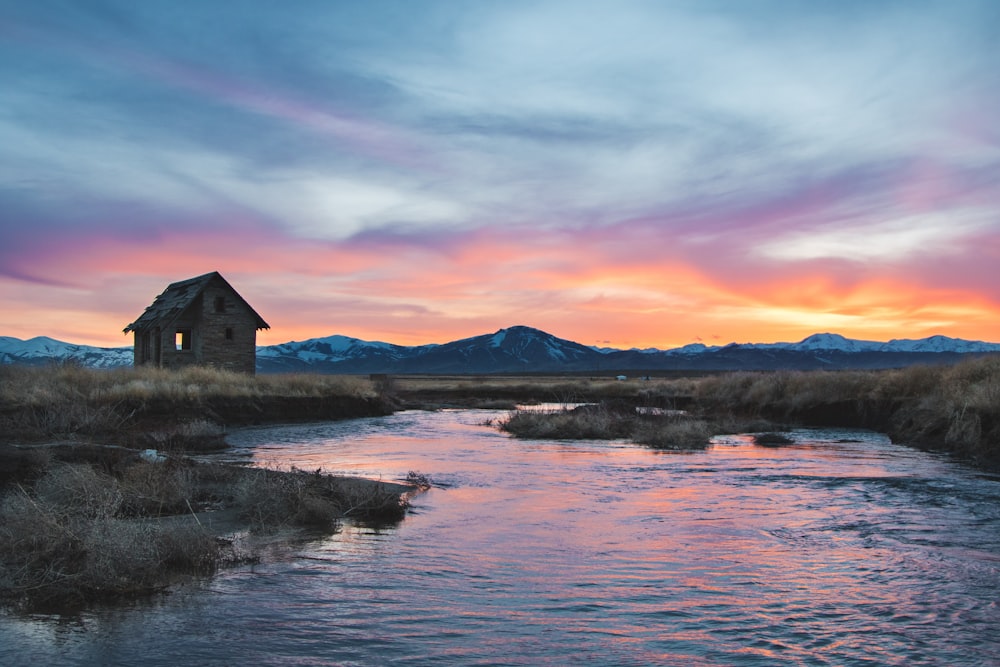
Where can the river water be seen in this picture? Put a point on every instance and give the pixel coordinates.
(841, 549)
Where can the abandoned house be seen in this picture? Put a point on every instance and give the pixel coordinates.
(199, 321)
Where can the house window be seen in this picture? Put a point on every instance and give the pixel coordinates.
(183, 339)
(229, 333)
(220, 304)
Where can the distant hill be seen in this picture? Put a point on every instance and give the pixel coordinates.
(522, 349)
(41, 350)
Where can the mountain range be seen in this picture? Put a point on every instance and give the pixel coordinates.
(522, 349)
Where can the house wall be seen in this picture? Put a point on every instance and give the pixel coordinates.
(139, 351)
(215, 312)
(238, 351)
(172, 357)
(147, 347)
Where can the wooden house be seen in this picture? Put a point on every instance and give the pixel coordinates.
(199, 321)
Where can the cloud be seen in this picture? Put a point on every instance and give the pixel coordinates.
(891, 241)
(639, 170)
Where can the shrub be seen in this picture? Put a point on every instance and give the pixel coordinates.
(155, 489)
(69, 543)
(79, 489)
(583, 423)
(674, 433)
(270, 499)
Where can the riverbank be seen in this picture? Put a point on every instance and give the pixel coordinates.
(87, 523)
(180, 410)
(100, 500)
(953, 408)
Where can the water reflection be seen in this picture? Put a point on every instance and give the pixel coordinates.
(839, 549)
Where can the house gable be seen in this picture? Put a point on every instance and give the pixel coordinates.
(199, 321)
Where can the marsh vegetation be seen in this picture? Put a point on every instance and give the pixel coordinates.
(86, 516)
(185, 409)
(956, 408)
(98, 501)
(118, 526)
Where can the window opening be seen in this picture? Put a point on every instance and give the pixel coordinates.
(229, 333)
(183, 339)
(220, 304)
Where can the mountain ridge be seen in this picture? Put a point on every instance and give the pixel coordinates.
(522, 348)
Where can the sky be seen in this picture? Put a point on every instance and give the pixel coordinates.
(619, 173)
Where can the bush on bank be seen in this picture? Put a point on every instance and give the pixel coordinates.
(85, 532)
(613, 420)
(951, 407)
(75, 537)
(956, 408)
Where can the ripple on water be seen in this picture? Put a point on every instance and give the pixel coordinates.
(841, 549)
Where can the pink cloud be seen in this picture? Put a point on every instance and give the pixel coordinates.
(642, 282)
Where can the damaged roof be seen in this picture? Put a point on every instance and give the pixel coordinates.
(178, 297)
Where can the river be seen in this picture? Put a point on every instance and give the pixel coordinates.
(840, 549)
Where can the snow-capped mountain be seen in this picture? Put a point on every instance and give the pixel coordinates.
(44, 350)
(332, 353)
(515, 349)
(827, 342)
(522, 349)
(836, 343)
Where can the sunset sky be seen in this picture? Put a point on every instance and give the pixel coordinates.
(619, 173)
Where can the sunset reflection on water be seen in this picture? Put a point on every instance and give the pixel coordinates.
(839, 549)
(736, 554)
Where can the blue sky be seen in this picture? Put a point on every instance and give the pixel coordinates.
(629, 173)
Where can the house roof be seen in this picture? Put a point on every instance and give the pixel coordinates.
(178, 297)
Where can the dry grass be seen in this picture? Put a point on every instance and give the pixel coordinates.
(956, 407)
(676, 432)
(70, 540)
(69, 401)
(613, 420)
(975, 383)
(270, 499)
(493, 390)
(22, 386)
(83, 533)
(584, 423)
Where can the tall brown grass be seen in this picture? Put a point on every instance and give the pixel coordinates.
(75, 537)
(613, 420)
(959, 404)
(68, 400)
(84, 533)
(70, 383)
(269, 498)
(493, 391)
(954, 407)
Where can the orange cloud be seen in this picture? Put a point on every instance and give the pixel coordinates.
(403, 291)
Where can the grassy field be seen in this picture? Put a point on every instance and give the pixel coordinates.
(185, 409)
(953, 407)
